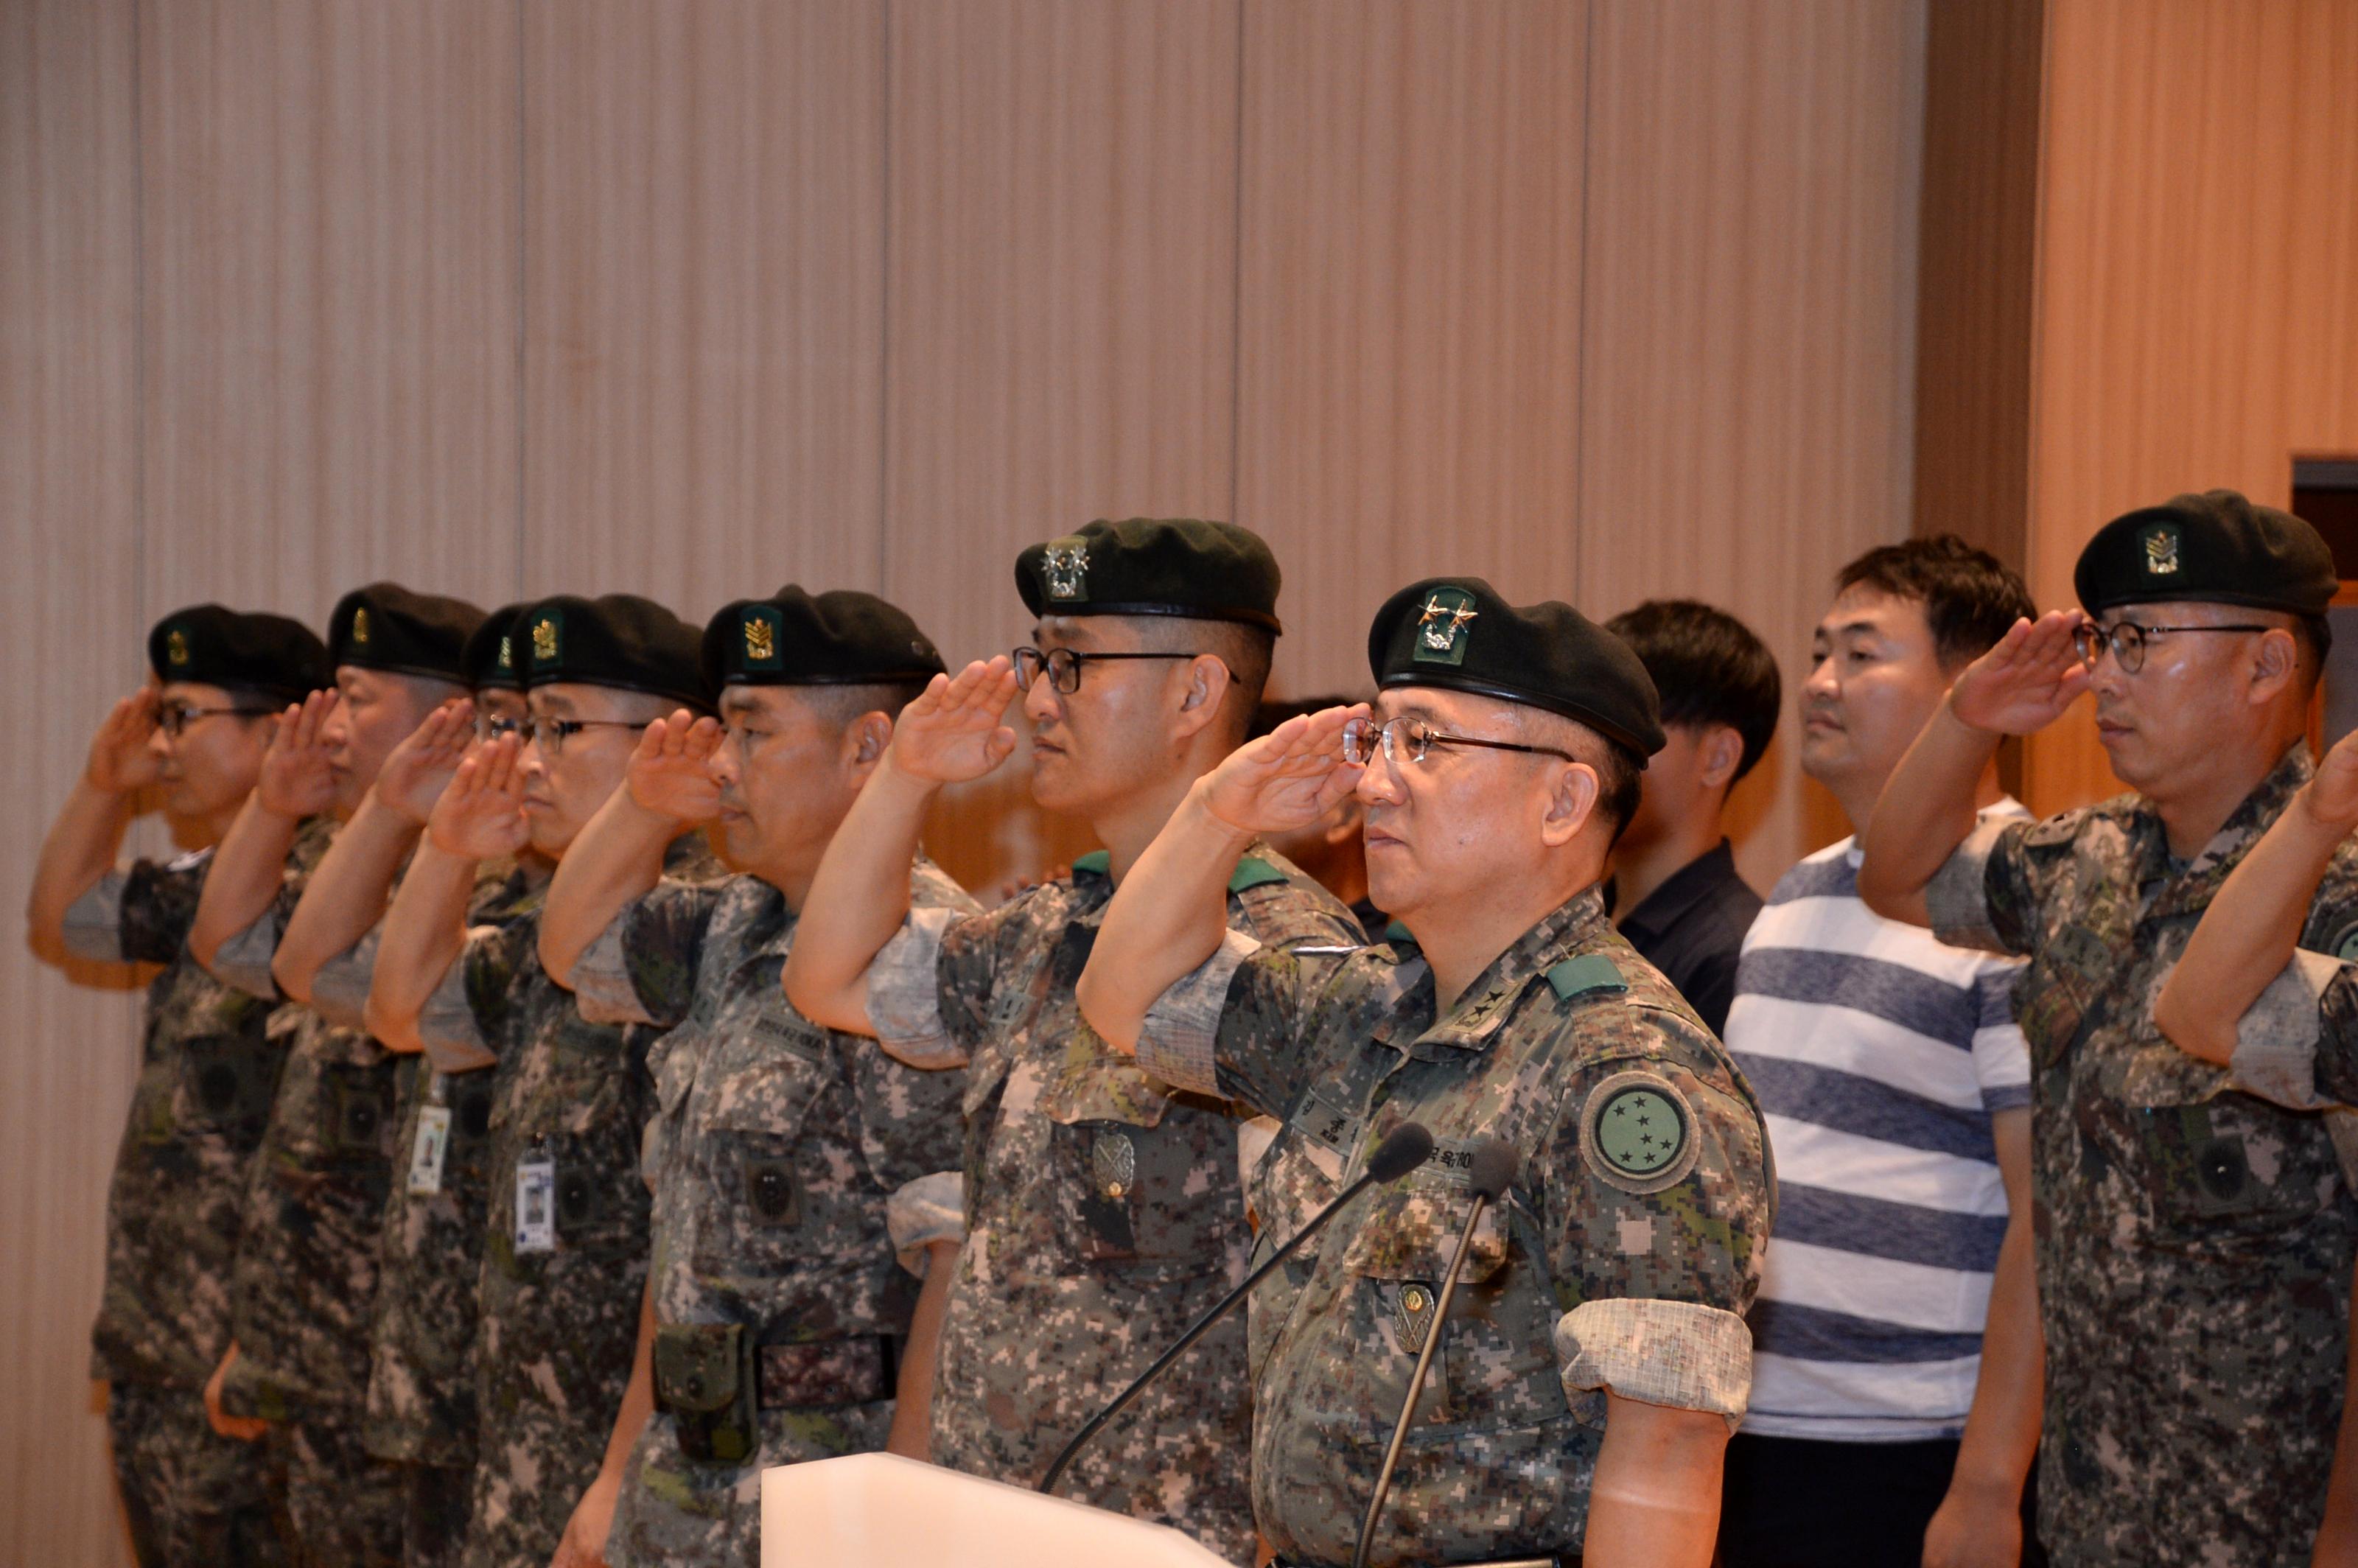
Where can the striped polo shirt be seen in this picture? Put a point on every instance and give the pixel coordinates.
(1879, 1055)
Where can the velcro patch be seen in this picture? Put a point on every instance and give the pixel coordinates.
(1638, 1132)
(1589, 972)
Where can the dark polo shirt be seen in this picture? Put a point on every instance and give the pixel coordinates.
(1691, 928)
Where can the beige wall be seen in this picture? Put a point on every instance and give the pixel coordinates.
(1600, 298)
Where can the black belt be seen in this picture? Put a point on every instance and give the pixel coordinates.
(713, 1379)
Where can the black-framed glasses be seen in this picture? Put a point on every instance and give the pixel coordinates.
(1064, 665)
(1407, 739)
(551, 733)
(174, 717)
(2127, 640)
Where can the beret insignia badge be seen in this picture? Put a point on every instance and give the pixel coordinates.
(1445, 628)
(1064, 569)
(763, 627)
(360, 626)
(544, 640)
(2161, 549)
(176, 646)
(507, 655)
(760, 642)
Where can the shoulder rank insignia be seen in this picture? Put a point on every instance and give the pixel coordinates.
(1589, 972)
(1064, 569)
(1443, 630)
(2161, 549)
(1637, 1133)
(176, 646)
(1252, 871)
(548, 631)
(360, 625)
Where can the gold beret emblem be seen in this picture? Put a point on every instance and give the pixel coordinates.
(360, 626)
(760, 639)
(176, 646)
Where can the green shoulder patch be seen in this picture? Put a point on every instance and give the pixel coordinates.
(2344, 945)
(1637, 1133)
(1399, 932)
(1252, 871)
(1589, 972)
(1096, 863)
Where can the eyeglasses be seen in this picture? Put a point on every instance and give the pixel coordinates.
(1064, 665)
(2127, 640)
(174, 717)
(1414, 738)
(551, 733)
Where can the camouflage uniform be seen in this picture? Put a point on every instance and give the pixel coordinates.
(1625, 1256)
(558, 1313)
(420, 1411)
(2195, 1242)
(1103, 1207)
(776, 1147)
(206, 1072)
(306, 1279)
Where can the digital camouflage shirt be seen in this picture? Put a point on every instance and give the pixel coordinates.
(563, 1269)
(421, 1390)
(206, 1072)
(1623, 1259)
(304, 1287)
(1103, 1206)
(775, 1149)
(2195, 1242)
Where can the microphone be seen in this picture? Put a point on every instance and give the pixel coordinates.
(1409, 1146)
(1489, 1176)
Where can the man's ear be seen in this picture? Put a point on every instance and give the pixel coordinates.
(1207, 685)
(2276, 663)
(1721, 753)
(864, 740)
(1570, 804)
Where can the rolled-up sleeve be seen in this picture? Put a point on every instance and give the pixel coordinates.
(2286, 1043)
(449, 1023)
(905, 992)
(340, 990)
(603, 988)
(924, 1212)
(94, 923)
(1679, 1354)
(1179, 1041)
(243, 963)
(1957, 899)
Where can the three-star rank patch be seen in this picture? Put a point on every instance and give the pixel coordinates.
(2160, 543)
(548, 636)
(1638, 1132)
(1444, 627)
(762, 625)
(176, 647)
(361, 627)
(1064, 569)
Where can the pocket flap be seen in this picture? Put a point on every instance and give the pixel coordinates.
(1106, 1088)
(697, 1366)
(1412, 1234)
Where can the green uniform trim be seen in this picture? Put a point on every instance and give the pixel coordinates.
(1589, 972)
(1252, 871)
(1097, 862)
(1398, 931)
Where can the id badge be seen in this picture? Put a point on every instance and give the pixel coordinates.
(426, 1154)
(535, 1207)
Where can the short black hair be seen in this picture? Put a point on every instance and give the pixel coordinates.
(1708, 668)
(1272, 713)
(839, 706)
(1247, 650)
(1970, 596)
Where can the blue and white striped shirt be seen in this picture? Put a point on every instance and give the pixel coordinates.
(1879, 1055)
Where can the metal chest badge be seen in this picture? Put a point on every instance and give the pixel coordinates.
(1113, 1159)
(176, 646)
(1445, 627)
(1064, 569)
(2161, 549)
(1413, 1314)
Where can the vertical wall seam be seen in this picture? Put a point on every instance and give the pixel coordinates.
(1237, 293)
(884, 303)
(1580, 344)
(140, 615)
(522, 304)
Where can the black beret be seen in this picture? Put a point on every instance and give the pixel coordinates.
(618, 640)
(1149, 565)
(385, 626)
(491, 655)
(794, 638)
(220, 646)
(2216, 547)
(1457, 632)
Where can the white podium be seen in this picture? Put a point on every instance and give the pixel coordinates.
(879, 1511)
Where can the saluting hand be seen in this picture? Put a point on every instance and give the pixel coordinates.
(952, 732)
(668, 774)
(297, 778)
(120, 757)
(481, 815)
(2026, 682)
(416, 771)
(1290, 778)
(2331, 797)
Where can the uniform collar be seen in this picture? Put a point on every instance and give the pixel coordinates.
(2192, 888)
(1490, 1000)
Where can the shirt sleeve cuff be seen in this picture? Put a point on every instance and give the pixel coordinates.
(927, 1210)
(340, 990)
(2277, 1038)
(1679, 1354)
(93, 923)
(1179, 1040)
(1957, 899)
(244, 961)
(446, 1024)
(904, 999)
(603, 989)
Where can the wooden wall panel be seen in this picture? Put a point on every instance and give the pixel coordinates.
(2198, 317)
(327, 242)
(1060, 313)
(1408, 378)
(1747, 364)
(68, 483)
(703, 286)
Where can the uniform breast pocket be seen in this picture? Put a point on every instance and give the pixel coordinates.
(1145, 1177)
(2053, 997)
(226, 1086)
(2232, 1165)
(356, 1109)
(467, 1097)
(771, 1192)
(1495, 1361)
